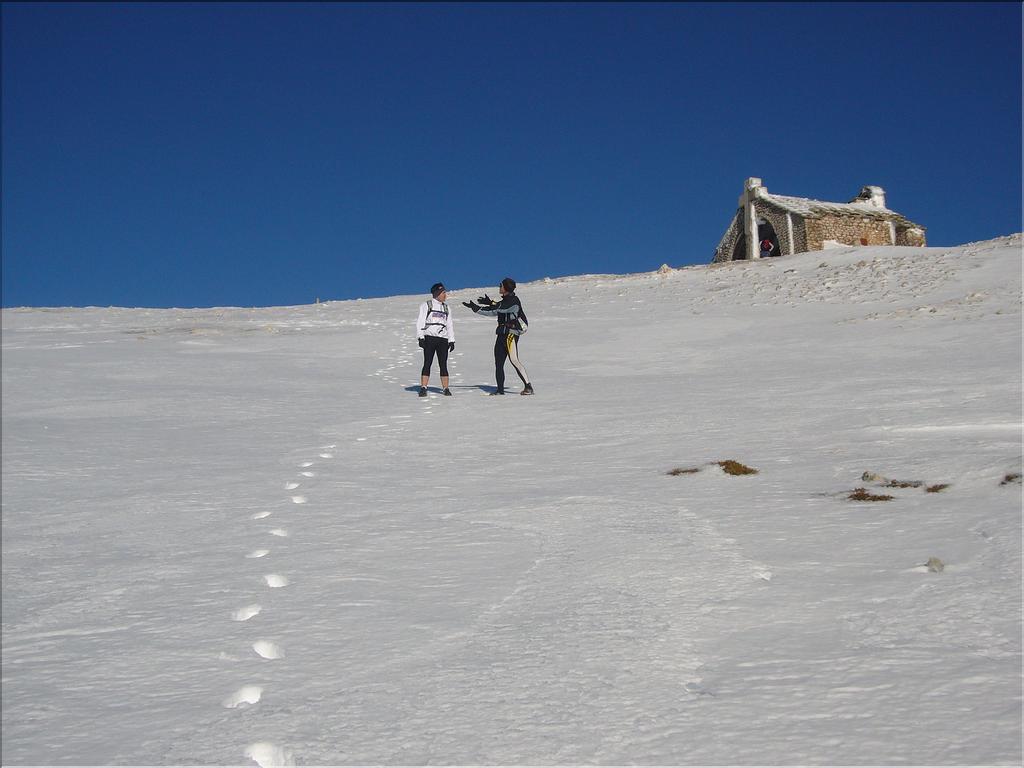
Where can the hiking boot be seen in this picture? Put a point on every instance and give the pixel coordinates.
(423, 391)
(499, 392)
(527, 390)
(447, 392)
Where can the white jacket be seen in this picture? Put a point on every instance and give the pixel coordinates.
(439, 321)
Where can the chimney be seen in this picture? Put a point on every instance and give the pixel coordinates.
(873, 196)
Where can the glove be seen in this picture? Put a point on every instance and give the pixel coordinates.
(472, 305)
(451, 346)
(423, 343)
(487, 300)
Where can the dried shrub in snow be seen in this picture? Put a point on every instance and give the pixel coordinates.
(731, 467)
(885, 482)
(904, 484)
(683, 471)
(861, 494)
(1011, 479)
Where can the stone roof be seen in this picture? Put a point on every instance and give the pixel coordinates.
(815, 209)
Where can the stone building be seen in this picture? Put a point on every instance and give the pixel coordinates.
(796, 224)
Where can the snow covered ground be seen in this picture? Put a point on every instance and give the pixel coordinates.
(236, 536)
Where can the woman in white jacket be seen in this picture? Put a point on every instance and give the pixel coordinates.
(435, 331)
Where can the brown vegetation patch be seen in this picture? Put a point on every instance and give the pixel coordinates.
(683, 471)
(731, 467)
(1011, 478)
(904, 484)
(938, 488)
(861, 494)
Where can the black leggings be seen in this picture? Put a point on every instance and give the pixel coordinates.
(507, 346)
(435, 345)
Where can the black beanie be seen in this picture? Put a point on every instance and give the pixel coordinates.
(509, 285)
(436, 288)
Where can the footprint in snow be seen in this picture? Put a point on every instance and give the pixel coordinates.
(246, 613)
(290, 486)
(259, 515)
(279, 532)
(249, 694)
(275, 580)
(265, 754)
(326, 455)
(299, 499)
(308, 474)
(256, 553)
(267, 649)
(306, 464)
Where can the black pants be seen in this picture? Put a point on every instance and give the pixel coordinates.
(507, 346)
(435, 345)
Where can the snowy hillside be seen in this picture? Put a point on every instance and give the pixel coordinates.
(237, 536)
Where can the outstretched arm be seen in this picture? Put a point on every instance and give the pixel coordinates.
(509, 307)
(491, 311)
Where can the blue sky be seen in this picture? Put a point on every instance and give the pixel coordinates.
(272, 154)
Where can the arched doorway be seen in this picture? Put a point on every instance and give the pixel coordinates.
(765, 231)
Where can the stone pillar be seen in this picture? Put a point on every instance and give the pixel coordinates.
(751, 191)
(753, 242)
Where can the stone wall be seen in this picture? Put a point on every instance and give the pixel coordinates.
(848, 230)
(800, 235)
(913, 236)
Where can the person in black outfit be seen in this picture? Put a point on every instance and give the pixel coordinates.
(512, 324)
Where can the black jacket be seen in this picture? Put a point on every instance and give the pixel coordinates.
(510, 314)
